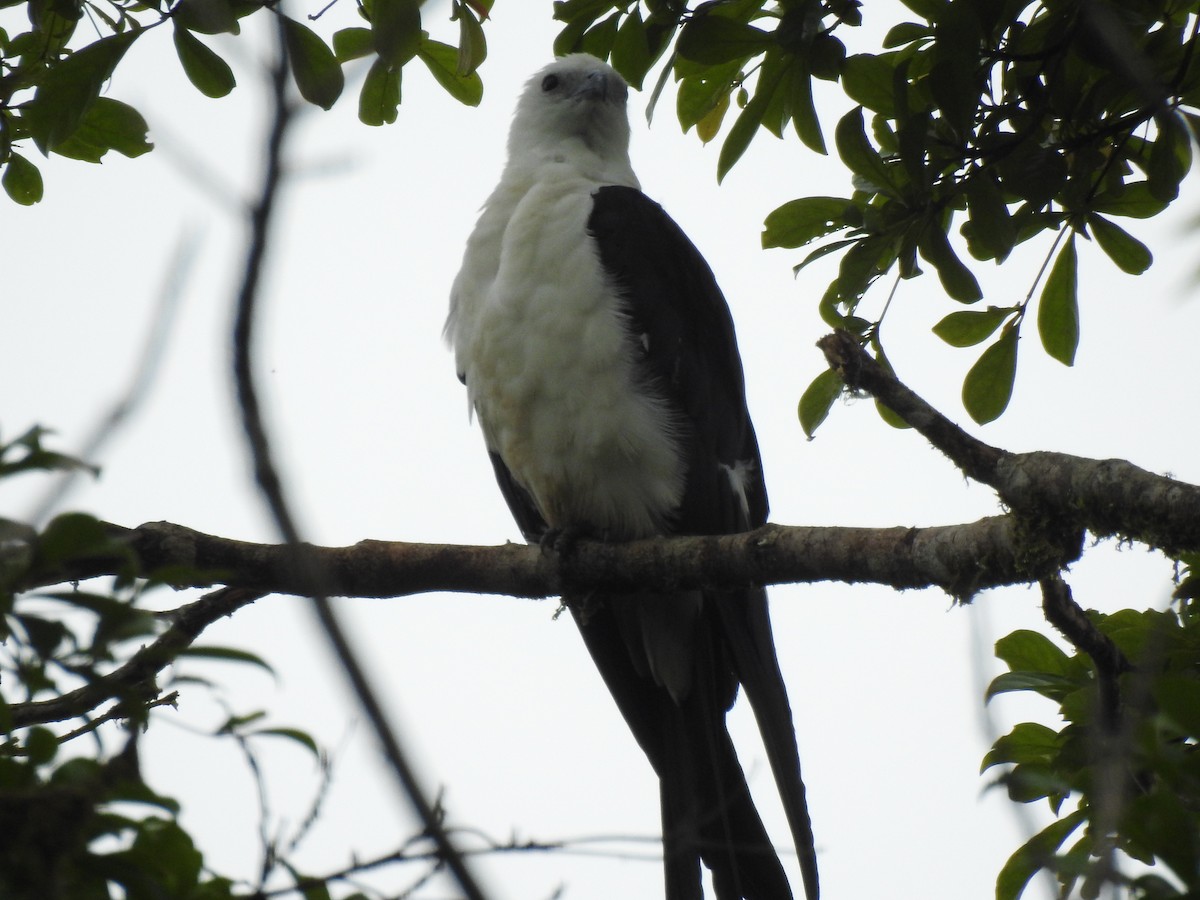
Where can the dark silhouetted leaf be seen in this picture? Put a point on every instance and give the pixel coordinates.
(314, 67)
(108, 125)
(992, 233)
(870, 80)
(1058, 307)
(860, 157)
(1130, 254)
(1134, 200)
(1029, 859)
(957, 280)
(353, 43)
(971, 326)
(379, 100)
(988, 386)
(713, 39)
(799, 221)
(206, 16)
(396, 25)
(632, 54)
(205, 69)
(67, 90)
(21, 180)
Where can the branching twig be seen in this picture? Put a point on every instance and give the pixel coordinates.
(137, 676)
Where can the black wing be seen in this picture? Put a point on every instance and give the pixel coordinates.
(682, 334)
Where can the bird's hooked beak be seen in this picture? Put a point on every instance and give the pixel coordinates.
(595, 87)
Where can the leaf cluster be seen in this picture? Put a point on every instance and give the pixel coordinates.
(981, 124)
(82, 823)
(1124, 762)
(53, 74)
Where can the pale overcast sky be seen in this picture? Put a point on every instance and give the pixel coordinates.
(498, 701)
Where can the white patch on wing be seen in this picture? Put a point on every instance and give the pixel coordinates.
(739, 480)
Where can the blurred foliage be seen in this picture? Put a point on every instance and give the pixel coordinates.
(1122, 774)
(57, 59)
(993, 121)
(77, 819)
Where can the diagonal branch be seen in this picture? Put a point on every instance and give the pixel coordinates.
(1107, 497)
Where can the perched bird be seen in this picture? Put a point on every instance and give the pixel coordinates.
(600, 358)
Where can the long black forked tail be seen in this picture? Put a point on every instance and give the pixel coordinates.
(747, 628)
(707, 810)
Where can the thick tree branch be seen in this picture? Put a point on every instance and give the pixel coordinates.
(959, 559)
(1054, 490)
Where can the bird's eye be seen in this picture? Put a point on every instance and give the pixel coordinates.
(550, 82)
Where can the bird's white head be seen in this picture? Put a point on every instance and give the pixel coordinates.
(571, 110)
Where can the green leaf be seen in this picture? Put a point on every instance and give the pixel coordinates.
(206, 16)
(906, 33)
(41, 745)
(303, 738)
(799, 221)
(396, 25)
(472, 42)
(957, 280)
(1130, 254)
(72, 536)
(1034, 854)
(889, 415)
(1028, 743)
(314, 67)
(21, 180)
(1053, 687)
(67, 90)
(991, 234)
(870, 80)
(108, 125)
(969, 327)
(1178, 697)
(1134, 200)
(227, 654)
(353, 43)
(804, 111)
(442, 62)
(632, 55)
(818, 399)
(988, 386)
(699, 94)
(379, 100)
(713, 39)
(1026, 650)
(860, 157)
(1058, 307)
(205, 69)
(741, 134)
(1170, 158)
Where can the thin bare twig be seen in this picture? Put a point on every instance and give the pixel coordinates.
(268, 479)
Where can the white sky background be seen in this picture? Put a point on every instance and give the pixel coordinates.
(499, 702)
